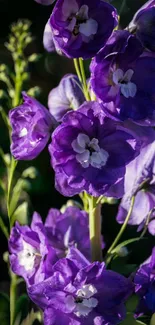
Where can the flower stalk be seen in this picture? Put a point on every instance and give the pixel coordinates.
(118, 237)
(95, 229)
(13, 288)
(80, 71)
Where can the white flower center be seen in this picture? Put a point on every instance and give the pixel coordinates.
(27, 257)
(89, 152)
(84, 302)
(121, 79)
(81, 23)
(23, 132)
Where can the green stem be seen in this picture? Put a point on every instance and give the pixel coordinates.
(18, 85)
(118, 237)
(13, 287)
(10, 181)
(95, 229)
(3, 228)
(84, 81)
(5, 117)
(76, 64)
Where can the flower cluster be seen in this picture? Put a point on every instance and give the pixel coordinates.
(102, 143)
(89, 294)
(144, 286)
(35, 249)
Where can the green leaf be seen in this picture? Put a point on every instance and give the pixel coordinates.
(132, 303)
(131, 321)
(16, 193)
(121, 6)
(125, 243)
(4, 309)
(31, 317)
(21, 214)
(22, 307)
(152, 320)
(119, 265)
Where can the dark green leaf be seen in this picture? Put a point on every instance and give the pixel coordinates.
(125, 243)
(4, 309)
(132, 303)
(152, 320)
(131, 321)
(119, 265)
(22, 307)
(120, 5)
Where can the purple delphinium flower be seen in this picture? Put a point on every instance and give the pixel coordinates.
(67, 96)
(138, 172)
(90, 151)
(145, 286)
(143, 24)
(45, 2)
(48, 41)
(82, 295)
(32, 125)
(68, 229)
(31, 256)
(122, 79)
(81, 27)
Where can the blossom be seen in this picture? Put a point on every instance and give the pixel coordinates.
(31, 256)
(67, 96)
(32, 126)
(122, 79)
(87, 295)
(145, 286)
(45, 2)
(140, 171)
(48, 40)
(68, 229)
(143, 24)
(90, 151)
(81, 27)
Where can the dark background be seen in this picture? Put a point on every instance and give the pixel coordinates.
(46, 74)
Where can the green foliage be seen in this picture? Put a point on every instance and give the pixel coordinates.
(22, 307)
(4, 309)
(120, 265)
(132, 303)
(152, 320)
(131, 321)
(121, 6)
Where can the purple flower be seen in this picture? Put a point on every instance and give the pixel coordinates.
(145, 286)
(143, 24)
(140, 171)
(90, 151)
(123, 79)
(45, 2)
(48, 41)
(67, 96)
(31, 256)
(68, 229)
(81, 296)
(81, 27)
(32, 126)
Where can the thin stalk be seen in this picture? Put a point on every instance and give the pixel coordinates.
(13, 288)
(76, 64)
(18, 85)
(5, 117)
(118, 237)
(147, 223)
(95, 229)
(10, 181)
(84, 81)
